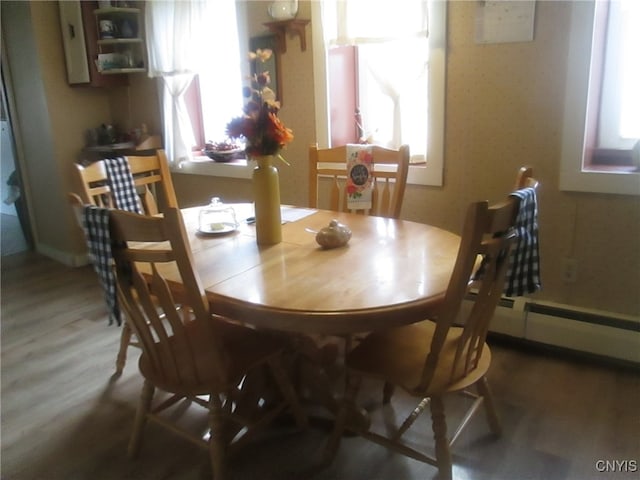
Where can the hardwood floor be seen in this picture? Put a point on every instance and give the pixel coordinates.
(11, 237)
(64, 417)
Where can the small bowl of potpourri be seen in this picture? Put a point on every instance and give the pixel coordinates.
(223, 151)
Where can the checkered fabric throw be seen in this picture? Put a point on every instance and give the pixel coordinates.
(523, 275)
(95, 221)
(123, 189)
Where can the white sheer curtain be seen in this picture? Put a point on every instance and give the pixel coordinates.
(220, 72)
(185, 38)
(393, 56)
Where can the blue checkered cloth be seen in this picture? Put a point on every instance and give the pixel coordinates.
(123, 189)
(95, 222)
(523, 275)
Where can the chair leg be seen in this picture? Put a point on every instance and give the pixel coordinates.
(287, 390)
(387, 392)
(331, 448)
(217, 443)
(439, 426)
(489, 406)
(406, 425)
(125, 339)
(144, 406)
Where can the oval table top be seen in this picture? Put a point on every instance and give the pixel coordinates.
(392, 272)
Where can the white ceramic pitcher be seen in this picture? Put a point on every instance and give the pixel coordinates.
(283, 9)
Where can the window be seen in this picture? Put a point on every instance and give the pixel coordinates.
(202, 104)
(375, 95)
(181, 45)
(619, 116)
(210, 111)
(602, 101)
(214, 96)
(397, 98)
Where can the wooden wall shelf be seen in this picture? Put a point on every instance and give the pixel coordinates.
(293, 27)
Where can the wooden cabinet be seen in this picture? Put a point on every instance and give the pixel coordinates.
(73, 39)
(103, 60)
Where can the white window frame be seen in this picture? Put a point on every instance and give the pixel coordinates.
(572, 175)
(432, 172)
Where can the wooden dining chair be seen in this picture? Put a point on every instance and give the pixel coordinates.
(391, 168)
(443, 354)
(204, 355)
(151, 177)
(525, 179)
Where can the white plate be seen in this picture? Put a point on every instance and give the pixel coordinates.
(217, 229)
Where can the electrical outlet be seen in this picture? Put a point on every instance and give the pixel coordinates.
(569, 270)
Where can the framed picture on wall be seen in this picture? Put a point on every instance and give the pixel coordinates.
(272, 65)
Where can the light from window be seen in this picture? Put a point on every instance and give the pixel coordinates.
(619, 123)
(391, 70)
(362, 21)
(630, 115)
(393, 94)
(220, 76)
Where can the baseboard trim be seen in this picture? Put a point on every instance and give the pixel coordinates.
(583, 316)
(66, 258)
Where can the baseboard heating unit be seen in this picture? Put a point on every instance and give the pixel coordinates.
(594, 332)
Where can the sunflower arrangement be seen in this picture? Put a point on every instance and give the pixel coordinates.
(260, 127)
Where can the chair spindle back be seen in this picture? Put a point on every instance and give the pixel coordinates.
(155, 304)
(391, 168)
(151, 176)
(488, 233)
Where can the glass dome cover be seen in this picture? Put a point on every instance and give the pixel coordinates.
(217, 218)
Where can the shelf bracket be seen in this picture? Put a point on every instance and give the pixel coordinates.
(294, 27)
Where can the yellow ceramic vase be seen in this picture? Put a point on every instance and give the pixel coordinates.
(266, 192)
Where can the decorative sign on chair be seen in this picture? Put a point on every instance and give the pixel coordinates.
(359, 178)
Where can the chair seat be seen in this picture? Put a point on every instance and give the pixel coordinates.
(378, 356)
(245, 348)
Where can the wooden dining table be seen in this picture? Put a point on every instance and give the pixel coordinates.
(392, 272)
